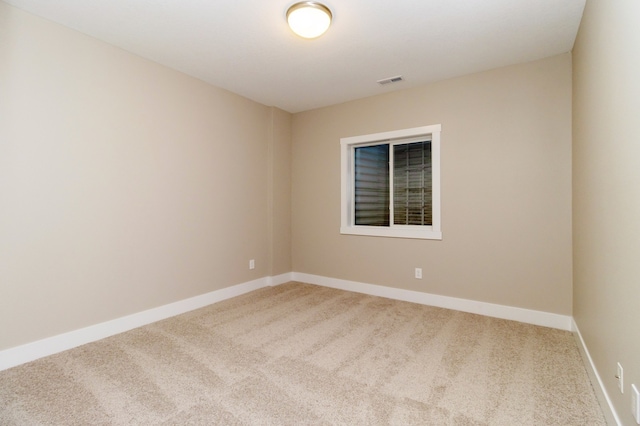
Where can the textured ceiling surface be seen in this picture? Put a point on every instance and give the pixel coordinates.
(246, 47)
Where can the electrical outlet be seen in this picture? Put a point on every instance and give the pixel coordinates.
(252, 264)
(418, 274)
(620, 377)
(635, 403)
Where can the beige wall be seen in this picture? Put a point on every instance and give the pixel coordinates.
(280, 193)
(124, 185)
(606, 197)
(506, 189)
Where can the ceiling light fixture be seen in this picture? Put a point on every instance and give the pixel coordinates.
(309, 19)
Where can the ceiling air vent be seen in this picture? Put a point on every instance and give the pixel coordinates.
(396, 79)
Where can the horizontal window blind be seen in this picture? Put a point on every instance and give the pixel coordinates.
(371, 191)
(412, 184)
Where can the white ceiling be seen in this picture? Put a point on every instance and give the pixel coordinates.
(246, 47)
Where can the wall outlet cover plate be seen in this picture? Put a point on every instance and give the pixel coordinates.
(635, 403)
(620, 377)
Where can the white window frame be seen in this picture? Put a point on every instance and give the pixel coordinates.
(347, 148)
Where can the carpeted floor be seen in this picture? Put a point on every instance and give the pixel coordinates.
(301, 354)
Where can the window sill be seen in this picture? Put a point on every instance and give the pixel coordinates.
(375, 231)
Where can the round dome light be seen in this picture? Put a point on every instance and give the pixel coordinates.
(309, 19)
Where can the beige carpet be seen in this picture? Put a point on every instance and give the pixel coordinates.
(301, 354)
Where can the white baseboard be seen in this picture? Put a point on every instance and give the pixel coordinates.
(31, 351)
(280, 279)
(601, 393)
(546, 319)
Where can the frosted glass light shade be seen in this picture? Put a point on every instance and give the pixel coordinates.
(309, 19)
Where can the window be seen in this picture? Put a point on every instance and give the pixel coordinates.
(391, 184)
